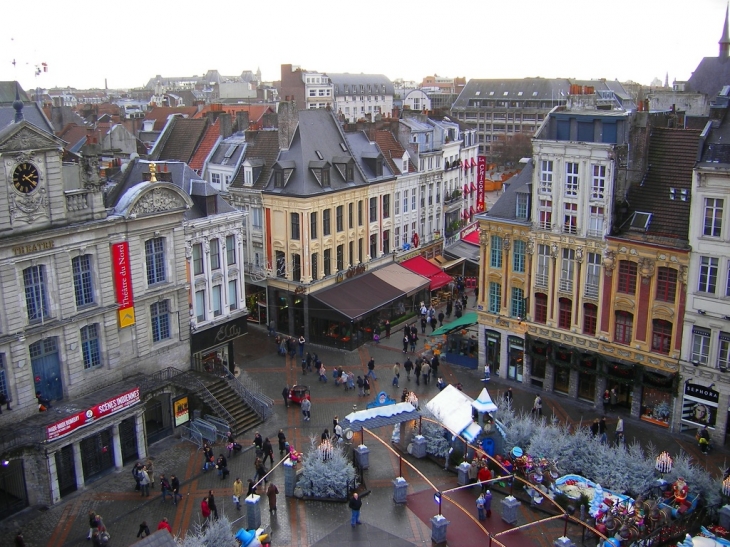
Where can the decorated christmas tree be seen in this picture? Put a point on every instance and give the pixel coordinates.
(326, 471)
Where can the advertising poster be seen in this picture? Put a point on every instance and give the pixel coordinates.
(181, 411)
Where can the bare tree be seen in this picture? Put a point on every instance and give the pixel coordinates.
(507, 151)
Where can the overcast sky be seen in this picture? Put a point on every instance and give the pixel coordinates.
(127, 42)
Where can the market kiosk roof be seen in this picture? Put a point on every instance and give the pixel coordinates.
(434, 273)
(388, 415)
(356, 297)
(402, 278)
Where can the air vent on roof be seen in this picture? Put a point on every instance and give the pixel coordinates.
(344, 148)
(319, 154)
(640, 221)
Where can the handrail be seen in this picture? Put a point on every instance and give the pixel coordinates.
(196, 386)
(248, 390)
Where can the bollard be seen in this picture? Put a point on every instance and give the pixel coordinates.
(509, 509)
(362, 456)
(290, 478)
(463, 473)
(253, 512)
(438, 529)
(400, 490)
(419, 446)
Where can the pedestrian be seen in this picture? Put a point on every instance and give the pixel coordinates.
(144, 530)
(205, 509)
(396, 373)
(317, 362)
(144, 482)
(387, 328)
(285, 395)
(434, 324)
(435, 363)
(594, 428)
(425, 372)
(424, 321)
(366, 385)
(19, 541)
(508, 396)
(268, 450)
(322, 373)
(481, 512)
(414, 341)
(537, 406)
(614, 397)
(337, 433)
(606, 400)
(335, 421)
(441, 384)
(404, 395)
(94, 521)
(417, 370)
(44, 403)
(237, 492)
(175, 486)
(208, 458)
(406, 341)
(304, 366)
(408, 366)
(355, 506)
(449, 308)
(488, 503)
(211, 504)
(282, 346)
(618, 437)
(150, 473)
(361, 386)
(325, 435)
(271, 493)
(602, 430)
(165, 488)
(457, 309)
(308, 361)
(487, 372)
(282, 442)
(476, 296)
(4, 401)
(164, 525)
(306, 410)
(464, 299)
(301, 345)
(260, 470)
(371, 369)
(135, 473)
(272, 327)
(222, 466)
(483, 475)
(441, 319)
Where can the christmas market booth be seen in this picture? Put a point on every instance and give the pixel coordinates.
(457, 342)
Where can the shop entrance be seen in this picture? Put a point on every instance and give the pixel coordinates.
(515, 356)
(624, 394)
(157, 423)
(128, 440)
(13, 494)
(66, 470)
(97, 454)
(493, 339)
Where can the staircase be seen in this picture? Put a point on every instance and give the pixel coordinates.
(243, 415)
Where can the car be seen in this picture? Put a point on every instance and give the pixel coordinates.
(298, 393)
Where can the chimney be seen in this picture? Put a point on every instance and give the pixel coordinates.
(226, 126)
(270, 120)
(242, 120)
(288, 121)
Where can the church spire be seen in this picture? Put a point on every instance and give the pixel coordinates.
(725, 40)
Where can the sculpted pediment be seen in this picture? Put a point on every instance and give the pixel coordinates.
(158, 200)
(25, 136)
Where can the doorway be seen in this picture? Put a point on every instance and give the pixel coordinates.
(46, 368)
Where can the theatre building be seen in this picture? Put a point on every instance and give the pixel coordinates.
(95, 308)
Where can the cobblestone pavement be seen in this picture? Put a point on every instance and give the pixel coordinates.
(297, 523)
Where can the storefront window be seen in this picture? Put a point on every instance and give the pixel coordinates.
(587, 386)
(656, 406)
(493, 339)
(537, 376)
(515, 356)
(562, 379)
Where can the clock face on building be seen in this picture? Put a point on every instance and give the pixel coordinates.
(25, 177)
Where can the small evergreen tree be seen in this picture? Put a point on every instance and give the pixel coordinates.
(326, 473)
(218, 533)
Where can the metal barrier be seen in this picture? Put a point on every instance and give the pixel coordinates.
(221, 426)
(199, 432)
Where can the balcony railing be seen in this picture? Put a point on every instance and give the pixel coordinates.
(566, 285)
(541, 280)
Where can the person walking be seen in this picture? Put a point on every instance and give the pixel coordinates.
(481, 512)
(301, 346)
(211, 504)
(175, 486)
(424, 322)
(387, 328)
(417, 370)
(94, 521)
(143, 531)
(408, 366)
(272, 328)
(285, 395)
(476, 296)
(537, 406)
(606, 400)
(371, 369)
(406, 341)
(164, 488)
(488, 503)
(602, 430)
(435, 363)
(164, 525)
(135, 473)
(150, 473)
(271, 493)
(205, 510)
(366, 385)
(306, 411)
(282, 442)
(208, 457)
(484, 475)
(425, 372)
(322, 373)
(594, 428)
(144, 482)
(237, 492)
(449, 308)
(508, 396)
(361, 386)
(355, 506)
(308, 361)
(614, 397)
(222, 467)
(414, 339)
(19, 541)
(441, 319)
(619, 435)
(268, 450)
(396, 373)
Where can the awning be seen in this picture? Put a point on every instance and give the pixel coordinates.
(452, 408)
(465, 214)
(466, 189)
(467, 251)
(466, 165)
(472, 237)
(402, 278)
(471, 210)
(473, 188)
(473, 163)
(445, 263)
(358, 296)
(466, 320)
(434, 273)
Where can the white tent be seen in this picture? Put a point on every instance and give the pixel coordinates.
(452, 408)
(484, 402)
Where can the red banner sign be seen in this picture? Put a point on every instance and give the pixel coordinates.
(81, 419)
(481, 173)
(123, 283)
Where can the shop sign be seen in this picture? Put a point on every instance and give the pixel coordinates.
(219, 335)
(181, 410)
(481, 173)
(85, 417)
(699, 405)
(123, 284)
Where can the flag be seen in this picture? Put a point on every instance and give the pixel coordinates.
(45, 67)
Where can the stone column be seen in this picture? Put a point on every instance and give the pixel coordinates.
(117, 444)
(601, 383)
(549, 377)
(141, 437)
(53, 476)
(78, 465)
(636, 402)
(573, 384)
(526, 369)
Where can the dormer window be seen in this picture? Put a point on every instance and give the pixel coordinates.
(325, 176)
(349, 173)
(278, 178)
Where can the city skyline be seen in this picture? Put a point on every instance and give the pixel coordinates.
(516, 40)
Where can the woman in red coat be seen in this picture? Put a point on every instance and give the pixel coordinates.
(205, 509)
(484, 475)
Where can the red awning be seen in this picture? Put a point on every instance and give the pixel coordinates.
(471, 210)
(465, 215)
(472, 237)
(423, 267)
(466, 165)
(466, 189)
(473, 163)
(473, 188)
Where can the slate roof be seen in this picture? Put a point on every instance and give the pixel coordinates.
(391, 148)
(546, 89)
(716, 146)
(340, 79)
(710, 75)
(317, 131)
(672, 155)
(31, 113)
(362, 147)
(178, 173)
(7, 93)
(161, 114)
(207, 143)
(262, 148)
(506, 206)
(229, 151)
(255, 112)
(180, 139)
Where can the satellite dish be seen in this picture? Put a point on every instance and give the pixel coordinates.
(349, 434)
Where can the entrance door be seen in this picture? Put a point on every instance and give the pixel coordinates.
(46, 368)
(128, 440)
(97, 454)
(66, 470)
(13, 494)
(492, 350)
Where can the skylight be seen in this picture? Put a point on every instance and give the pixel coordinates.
(319, 154)
(640, 221)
